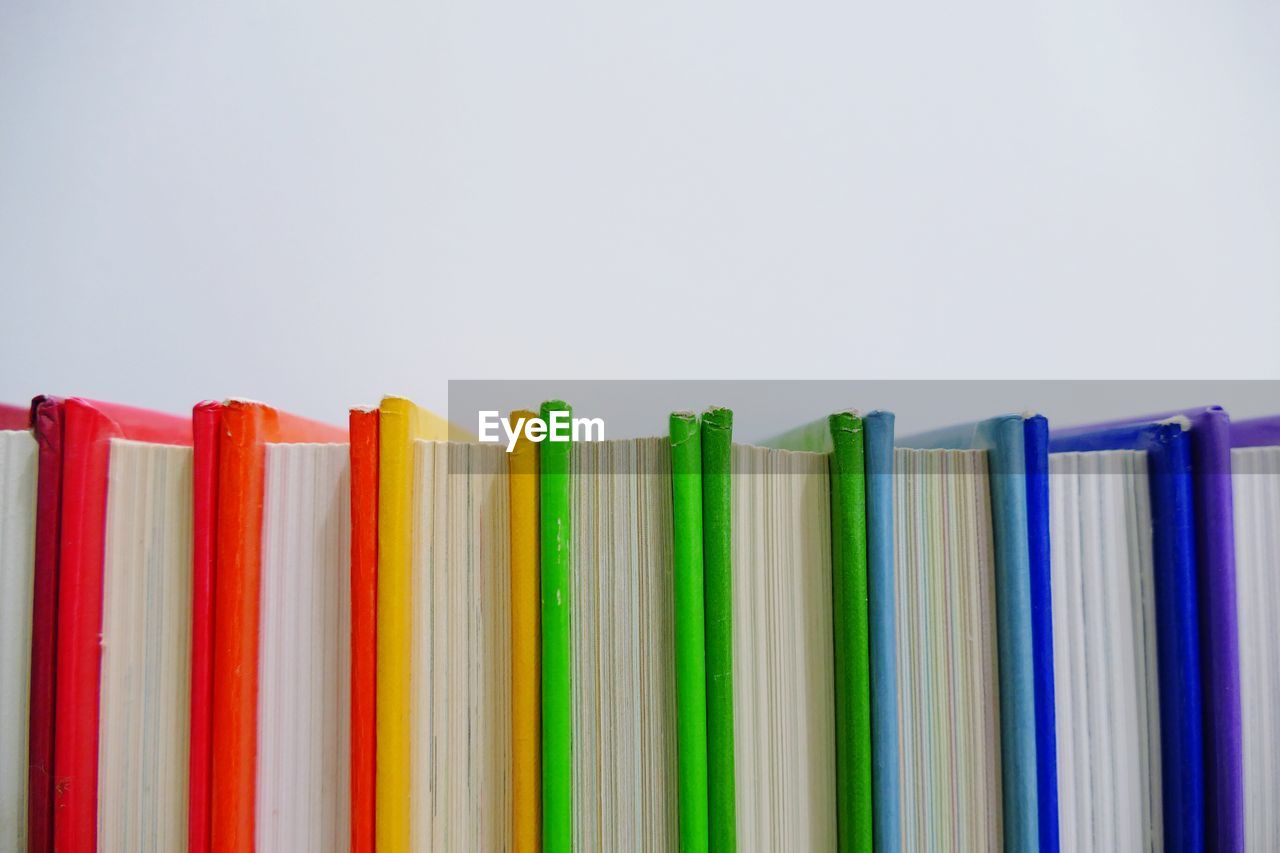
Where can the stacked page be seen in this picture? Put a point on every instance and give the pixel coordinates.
(948, 684)
(1256, 491)
(17, 577)
(1105, 658)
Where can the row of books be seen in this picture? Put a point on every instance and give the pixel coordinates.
(246, 630)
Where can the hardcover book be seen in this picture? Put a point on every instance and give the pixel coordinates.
(120, 755)
(229, 623)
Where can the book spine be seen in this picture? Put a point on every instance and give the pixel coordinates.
(1036, 448)
(206, 422)
(882, 631)
(394, 631)
(717, 554)
(364, 627)
(86, 458)
(850, 619)
(526, 638)
(237, 580)
(690, 631)
(557, 640)
(47, 423)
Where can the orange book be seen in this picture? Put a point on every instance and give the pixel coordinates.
(244, 431)
(364, 624)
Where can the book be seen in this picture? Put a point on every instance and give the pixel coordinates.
(363, 428)
(526, 641)
(717, 547)
(690, 630)
(1121, 466)
(555, 566)
(882, 631)
(124, 575)
(1255, 481)
(1209, 436)
(841, 438)
(400, 424)
(1028, 815)
(231, 462)
(19, 456)
(46, 425)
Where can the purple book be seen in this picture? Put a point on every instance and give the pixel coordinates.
(1212, 436)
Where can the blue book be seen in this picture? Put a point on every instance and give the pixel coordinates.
(1018, 464)
(878, 455)
(1169, 465)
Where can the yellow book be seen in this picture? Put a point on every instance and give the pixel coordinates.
(526, 643)
(400, 423)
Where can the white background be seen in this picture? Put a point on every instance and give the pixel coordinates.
(315, 203)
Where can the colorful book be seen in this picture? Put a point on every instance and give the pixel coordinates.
(363, 428)
(556, 576)
(690, 630)
(124, 576)
(769, 603)
(882, 632)
(230, 565)
(1140, 476)
(1028, 807)
(19, 460)
(610, 669)
(400, 425)
(1255, 479)
(841, 438)
(1209, 437)
(526, 642)
(717, 549)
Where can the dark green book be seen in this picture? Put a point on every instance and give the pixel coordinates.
(841, 436)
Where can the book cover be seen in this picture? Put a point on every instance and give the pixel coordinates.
(88, 430)
(1210, 439)
(1167, 446)
(1003, 438)
(526, 642)
(400, 423)
(244, 428)
(690, 630)
(363, 428)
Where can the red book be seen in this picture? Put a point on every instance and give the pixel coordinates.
(232, 554)
(206, 423)
(88, 429)
(364, 624)
(46, 423)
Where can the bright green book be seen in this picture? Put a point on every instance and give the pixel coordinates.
(841, 435)
(690, 647)
(717, 548)
(557, 638)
